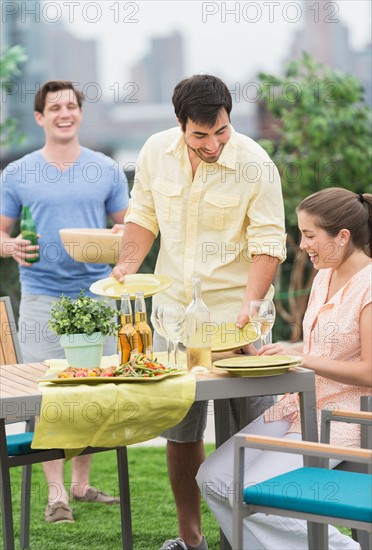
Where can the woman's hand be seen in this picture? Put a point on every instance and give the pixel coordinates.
(279, 349)
(249, 349)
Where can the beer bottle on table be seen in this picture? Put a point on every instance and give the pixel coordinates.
(127, 335)
(28, 230)
(197, 337)
(141, 325)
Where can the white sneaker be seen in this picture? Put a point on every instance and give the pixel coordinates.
(174, 544)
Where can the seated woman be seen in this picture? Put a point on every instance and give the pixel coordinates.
(336, 228)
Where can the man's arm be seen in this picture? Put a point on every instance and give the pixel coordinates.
(15, 247)
(136, 243)
(117, 219)
(261, 275)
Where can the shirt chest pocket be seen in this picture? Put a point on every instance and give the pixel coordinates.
(219, 210)
(168, 200)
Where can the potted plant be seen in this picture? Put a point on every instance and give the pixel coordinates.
(83, 324)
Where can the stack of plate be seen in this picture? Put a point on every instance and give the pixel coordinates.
(262, 365)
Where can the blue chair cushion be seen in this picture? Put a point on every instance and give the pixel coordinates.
(20, 444)
(316, 491)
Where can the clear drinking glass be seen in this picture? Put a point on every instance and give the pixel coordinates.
(157, 321)
(173, 323)
(262, 313)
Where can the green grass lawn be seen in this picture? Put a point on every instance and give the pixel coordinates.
(97, 526)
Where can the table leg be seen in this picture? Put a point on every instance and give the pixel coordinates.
(309, 425)
(221, 421)
(125, 511)
(222, 432)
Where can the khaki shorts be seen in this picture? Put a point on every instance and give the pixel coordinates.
(192, 427)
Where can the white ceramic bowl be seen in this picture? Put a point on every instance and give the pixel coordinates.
(99, 246)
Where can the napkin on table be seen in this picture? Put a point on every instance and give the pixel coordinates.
(109, 414)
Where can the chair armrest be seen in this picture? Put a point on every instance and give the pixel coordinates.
(354, 417)
(347, 414)
(309, 448)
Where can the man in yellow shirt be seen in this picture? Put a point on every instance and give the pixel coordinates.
(215, 196)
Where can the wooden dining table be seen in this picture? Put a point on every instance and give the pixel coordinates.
(20, 396)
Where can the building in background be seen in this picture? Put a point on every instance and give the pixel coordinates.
(120, 124)
(327, 40)
(53, 54)
(157, 73)
(137, 109)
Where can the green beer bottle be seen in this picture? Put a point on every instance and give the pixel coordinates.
(28, 230)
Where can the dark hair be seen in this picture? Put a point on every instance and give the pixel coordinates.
(201, 98)
(55, 86)
(336, 208)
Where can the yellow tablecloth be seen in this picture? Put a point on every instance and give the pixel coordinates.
(109, 414)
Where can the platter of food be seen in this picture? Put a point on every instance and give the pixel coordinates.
(138, 369)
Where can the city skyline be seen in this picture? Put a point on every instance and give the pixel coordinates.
(220, 38)
(122, 110)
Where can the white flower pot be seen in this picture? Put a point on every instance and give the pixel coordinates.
(83, 350)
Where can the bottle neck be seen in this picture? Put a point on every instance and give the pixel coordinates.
(140, 307)
(126, 318)
(26, 214)
(125, 307)
(140, 316)
(196, 289)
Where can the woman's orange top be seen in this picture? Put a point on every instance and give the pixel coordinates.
(331, 329)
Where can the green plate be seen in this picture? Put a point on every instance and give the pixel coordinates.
(264, 371)
(227, 336)
(258, 361)
(147, 283)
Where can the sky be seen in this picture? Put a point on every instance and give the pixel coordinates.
(231, 39)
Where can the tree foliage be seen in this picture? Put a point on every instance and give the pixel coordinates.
(9, 61)
(324, 140)
(10, 58)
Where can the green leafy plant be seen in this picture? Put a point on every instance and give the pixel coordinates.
(84, 315)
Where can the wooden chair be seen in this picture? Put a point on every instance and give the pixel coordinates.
(15, 450)
(309, 505)
(10, 351)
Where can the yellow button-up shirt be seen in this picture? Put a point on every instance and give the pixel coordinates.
(213, 224)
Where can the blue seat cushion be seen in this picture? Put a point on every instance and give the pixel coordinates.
(316, 491)
(20, 444)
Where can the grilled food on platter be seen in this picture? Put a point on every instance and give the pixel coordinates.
(138, 366)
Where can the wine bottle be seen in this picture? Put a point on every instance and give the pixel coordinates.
(28, 230)
(198, 345)
(127, 335)
(141, 325)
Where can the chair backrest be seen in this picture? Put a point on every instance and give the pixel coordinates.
(10, 351)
